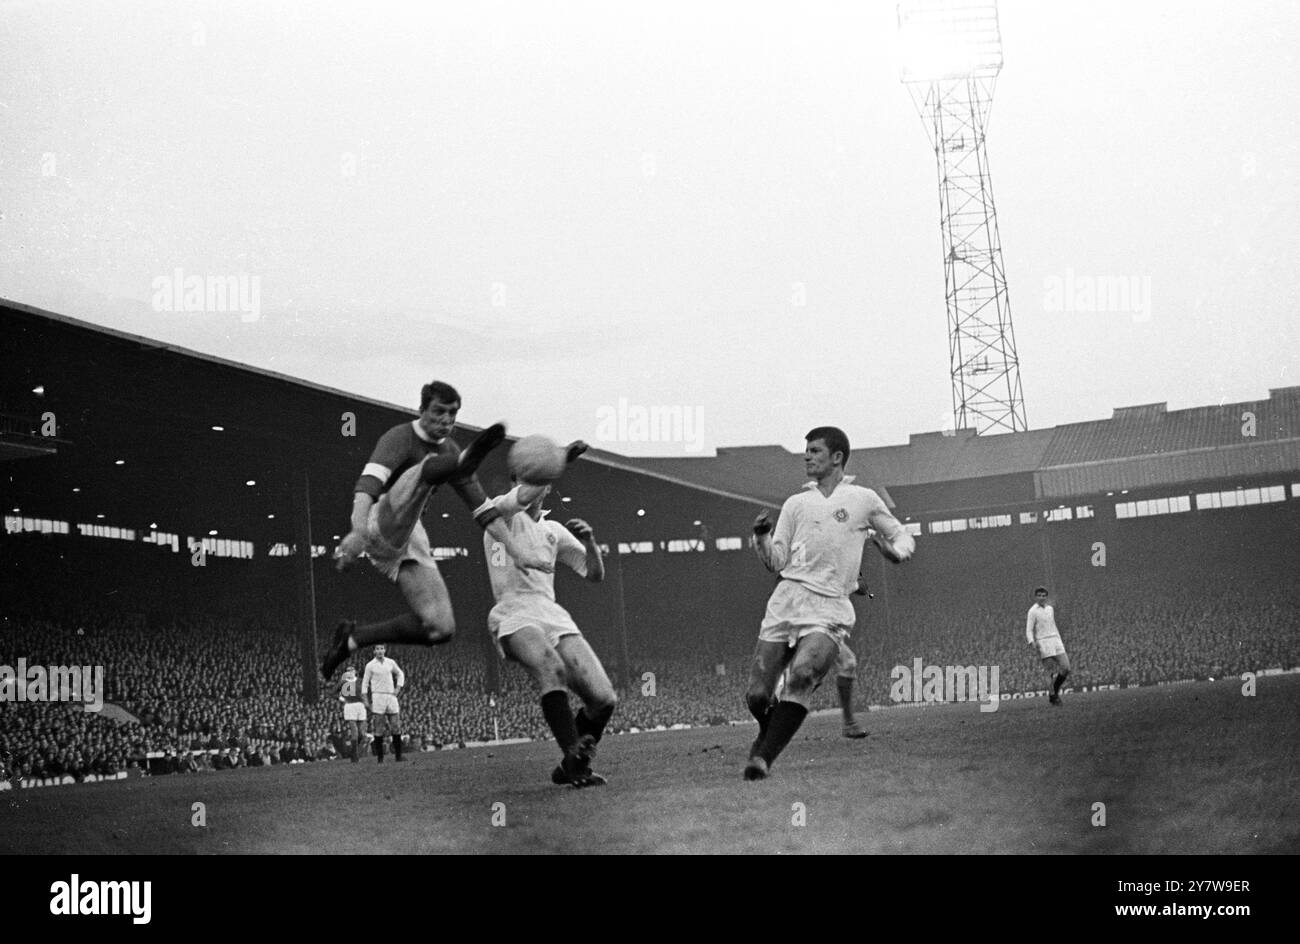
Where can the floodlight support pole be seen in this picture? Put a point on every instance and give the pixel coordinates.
(306, 585)
(626, 673)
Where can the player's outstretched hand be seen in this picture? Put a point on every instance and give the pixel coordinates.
(573, 450)
(349, 549)
(579, 529)
(762, 524)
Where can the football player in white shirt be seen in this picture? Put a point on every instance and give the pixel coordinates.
(1041, 633)
(381, 684)
(530, 628)
(817, 548)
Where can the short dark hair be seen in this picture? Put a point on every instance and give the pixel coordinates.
(437, 390)
(834, 438)
(1038, 590)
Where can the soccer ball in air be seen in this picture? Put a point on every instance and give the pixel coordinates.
(536, 460)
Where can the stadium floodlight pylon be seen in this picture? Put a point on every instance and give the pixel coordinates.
(952, 54)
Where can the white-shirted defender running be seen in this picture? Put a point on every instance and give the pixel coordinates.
(407, 465)
(380, 686)
(1042, 633)
(817, 548)
(530, 628)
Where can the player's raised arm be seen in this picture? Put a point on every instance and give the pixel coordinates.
(583, 554)
(773, 545)
(891, 538)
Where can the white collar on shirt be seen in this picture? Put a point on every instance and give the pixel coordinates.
(419, 431)
(847, 480)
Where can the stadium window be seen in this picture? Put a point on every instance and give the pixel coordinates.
(637, 547)
(684, 545)
(1084, 511)
(1155, 506)
(1058, 514)
(443, 553)
(911, 527)
(104, 531)
(1240, 497)
(1295, 489)
(728, 544)
(990, 521)
(1029, 517)
(317, 550)
(162, 539)
(15, 525)
(279, 549)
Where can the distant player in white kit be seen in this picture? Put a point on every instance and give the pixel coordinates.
(530, 628)
(817, 548)
(381, 685)
(1042, 634)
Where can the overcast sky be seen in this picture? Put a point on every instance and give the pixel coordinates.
(727, 208)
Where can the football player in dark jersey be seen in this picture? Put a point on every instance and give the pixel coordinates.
(409, 462)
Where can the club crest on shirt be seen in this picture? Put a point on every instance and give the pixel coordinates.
(550, 538)
(841, 515)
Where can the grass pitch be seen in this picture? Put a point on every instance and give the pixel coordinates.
(1192, 768)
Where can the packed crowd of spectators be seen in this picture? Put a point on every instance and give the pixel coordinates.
(205, 692)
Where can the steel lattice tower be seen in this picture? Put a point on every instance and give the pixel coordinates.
(952, 54)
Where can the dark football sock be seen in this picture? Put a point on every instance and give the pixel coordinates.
(845, 687)
(401, 629)
(379, 748)
(555, 709)
(761, 709)
(786, 718)
(1057, 681)
(593, 724)
(397, 746)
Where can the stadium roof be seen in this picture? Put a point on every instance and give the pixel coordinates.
(138, 439)
(150, 432)
(1138, 447)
